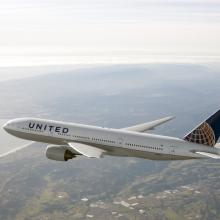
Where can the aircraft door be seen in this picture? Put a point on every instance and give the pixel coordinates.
(120, 141)
(172, 151)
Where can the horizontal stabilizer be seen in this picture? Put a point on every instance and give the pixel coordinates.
(217, 145)
(209, 155)
(87, 150)
(149, 125)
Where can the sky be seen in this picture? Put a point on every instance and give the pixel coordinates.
(51, 32)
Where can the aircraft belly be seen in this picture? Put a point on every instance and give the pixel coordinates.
(124, 152)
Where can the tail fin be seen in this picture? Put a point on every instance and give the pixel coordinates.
(206, 133)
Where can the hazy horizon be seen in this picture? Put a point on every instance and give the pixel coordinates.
(112, 64)
(108, 32)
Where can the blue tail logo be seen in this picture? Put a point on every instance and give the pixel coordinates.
(206, 133)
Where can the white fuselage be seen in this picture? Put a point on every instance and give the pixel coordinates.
(115, 141)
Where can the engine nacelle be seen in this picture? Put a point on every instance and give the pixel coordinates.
(59, 153)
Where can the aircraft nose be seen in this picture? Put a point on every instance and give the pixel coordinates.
(6, 126)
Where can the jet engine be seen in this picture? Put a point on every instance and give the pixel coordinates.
(59, 153)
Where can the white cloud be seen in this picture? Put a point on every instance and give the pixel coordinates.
(86, 27)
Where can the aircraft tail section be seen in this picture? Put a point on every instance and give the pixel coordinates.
(206, 133)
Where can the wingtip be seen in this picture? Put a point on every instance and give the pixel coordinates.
(169, 118)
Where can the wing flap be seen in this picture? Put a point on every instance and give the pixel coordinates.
(149, 125)
(87, 150)
(209, 155)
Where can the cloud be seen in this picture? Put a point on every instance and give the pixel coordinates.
(81, 28)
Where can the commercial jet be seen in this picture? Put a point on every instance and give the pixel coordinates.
(69, 140)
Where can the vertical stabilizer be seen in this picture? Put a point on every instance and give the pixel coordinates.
(206, 133)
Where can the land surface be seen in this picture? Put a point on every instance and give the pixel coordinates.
(32, 187)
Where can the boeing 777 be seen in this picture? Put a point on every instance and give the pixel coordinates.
(68, 140)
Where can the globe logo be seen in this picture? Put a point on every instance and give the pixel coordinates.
(202, 135)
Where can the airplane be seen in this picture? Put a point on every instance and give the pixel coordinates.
(69, 140)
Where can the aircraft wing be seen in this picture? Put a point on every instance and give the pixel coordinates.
(17, 149)
(209, 155)
(87, 150)
(149, 125)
